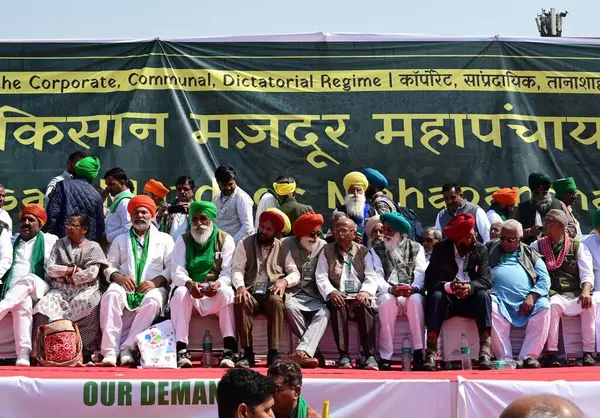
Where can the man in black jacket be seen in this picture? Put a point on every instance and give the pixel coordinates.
(457, 281)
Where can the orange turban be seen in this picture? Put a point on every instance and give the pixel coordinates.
(35, 210)
(144, 201)
(506, 196)
(276, 220)
(156, 188)
(307, 223)
(460, 227)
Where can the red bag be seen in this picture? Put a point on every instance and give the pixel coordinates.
(58, 344)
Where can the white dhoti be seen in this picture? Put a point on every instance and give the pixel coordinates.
(536, 333)
(114, 307)
(23, 293)
(220, 304)
(559, 306)
(390, 308)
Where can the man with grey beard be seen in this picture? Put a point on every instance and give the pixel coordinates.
(355, 204)
(139, 271)
(401, 263)
(305, 310)
(201, 269)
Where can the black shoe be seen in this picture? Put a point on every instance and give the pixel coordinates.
(272, 356)
(550, 360)
(246, 361)
(385, 365)
(184, 359)
(418, 360)
(531, 363)
(588, 360)
(320, 358)
(485, 362)
(430, 363)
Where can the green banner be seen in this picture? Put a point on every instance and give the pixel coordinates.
(483, 114)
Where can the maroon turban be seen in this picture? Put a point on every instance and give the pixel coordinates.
(460, 227)
(307, 223)
(276, 220)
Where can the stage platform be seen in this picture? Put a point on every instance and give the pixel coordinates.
(130, 393)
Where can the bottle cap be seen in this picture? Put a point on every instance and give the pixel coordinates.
(207, 331)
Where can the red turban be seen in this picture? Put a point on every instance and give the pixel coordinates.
(506, 196)
(307, 223)
(276, 220)
(144, 201)
(156, 188)
(35, 210)
(460, 227)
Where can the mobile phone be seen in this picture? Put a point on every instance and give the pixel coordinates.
(176, 209)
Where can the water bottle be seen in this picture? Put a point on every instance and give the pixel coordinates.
(207, 349)
(465, 353)
(505, 364)
(406, 353)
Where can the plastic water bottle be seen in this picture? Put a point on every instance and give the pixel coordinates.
(406, 353)
(465, 352)
(207, 349)
(505, 364)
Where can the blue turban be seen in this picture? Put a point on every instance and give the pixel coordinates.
(375, 178)
(397, 221)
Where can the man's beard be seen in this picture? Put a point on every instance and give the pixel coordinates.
(373, 242)
(202, 233)
(141, 225)
(355, 205)
(392, 249)
(309, 244)
(464, 249)
(543, 204)
(264, 240)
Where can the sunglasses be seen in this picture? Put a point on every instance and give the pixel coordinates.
(314, 234)
(510, 240)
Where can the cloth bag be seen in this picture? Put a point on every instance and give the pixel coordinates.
(58, 344)
(157, 346)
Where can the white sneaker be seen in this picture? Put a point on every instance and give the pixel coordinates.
(23, 359)
(126, 357)
(109, 361)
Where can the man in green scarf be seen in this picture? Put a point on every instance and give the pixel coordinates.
(118, 221)
(289, 402)
(201, 268)
(566, 191)
(23, 283)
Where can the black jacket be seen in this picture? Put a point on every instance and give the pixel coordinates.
(442, 267)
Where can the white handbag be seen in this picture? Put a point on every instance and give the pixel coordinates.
(157, 346)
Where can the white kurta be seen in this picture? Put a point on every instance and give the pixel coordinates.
(25, 290)
(182, 301)
(114, 302)
(267, 201)
(5, 217)
(234, 214)
(119, 222)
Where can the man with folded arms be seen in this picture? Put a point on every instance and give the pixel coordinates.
(401, 263)
(305, 311)
(201, 268)
(261, 284)
(139, 271)
(24, 282)
(348, 282)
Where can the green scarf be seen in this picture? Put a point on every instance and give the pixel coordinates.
(302, 407)
(115, 203)
(496, 208)
(200, 258)
(135, 299)
(37, 261)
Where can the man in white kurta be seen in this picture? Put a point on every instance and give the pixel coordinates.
(592, 243)
(139, 272)
(201, 272)
(234, 206)
(118, 220)
(23, 282)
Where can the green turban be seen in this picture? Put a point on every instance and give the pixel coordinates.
(564, 186)
(396, 221)
(206, 208)
(596, 218)
(539, 179)
(88, 167)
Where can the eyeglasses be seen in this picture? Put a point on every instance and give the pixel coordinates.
(71, 225)
(507, 239)
(429, 240)
(343, 231)
(314, 234)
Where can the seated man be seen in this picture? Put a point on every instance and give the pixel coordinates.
(495, 225)
(24, 282)
(401, 263)
(348, 282)
(139, 271)
(457, 281)
(571, 283)
(355, 204)
(245, 393)
(260, 284)
(289, 402)
(431, 236)
(520, 285)
(374, 231)
(305, 310)
(201, 268)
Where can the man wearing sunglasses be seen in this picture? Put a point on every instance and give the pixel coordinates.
(571, 271)
(305, 310)
(431, 236)
(520, 285)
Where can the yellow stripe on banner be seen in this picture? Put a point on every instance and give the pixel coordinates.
(299, 81)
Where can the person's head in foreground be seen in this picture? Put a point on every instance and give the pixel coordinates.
(542, 406)
(287, 376)
(244, 393)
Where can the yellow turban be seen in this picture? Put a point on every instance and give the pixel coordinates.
(284, 189)
(355, 178)
(287, 225)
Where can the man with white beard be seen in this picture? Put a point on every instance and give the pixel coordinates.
(201, 269)
(139, 271)
(355, 204)
(305, 310)
(401, 263)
